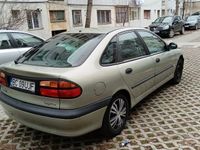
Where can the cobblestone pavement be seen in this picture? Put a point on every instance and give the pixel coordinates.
(167, 119)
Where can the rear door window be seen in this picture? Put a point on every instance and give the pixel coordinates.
(5, 41)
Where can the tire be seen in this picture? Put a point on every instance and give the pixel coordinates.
(196, 27)
(182, 30)
(116, 116)
(171, 33)
(178, 72)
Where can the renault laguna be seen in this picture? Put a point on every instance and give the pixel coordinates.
(77, 82)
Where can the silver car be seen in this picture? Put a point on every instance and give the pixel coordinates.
(77, 82)
(15, 43)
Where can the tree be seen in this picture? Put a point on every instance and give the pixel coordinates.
(88, 13)
(11, 14)
(177, 7)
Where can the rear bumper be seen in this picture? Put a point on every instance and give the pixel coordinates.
(56, 121)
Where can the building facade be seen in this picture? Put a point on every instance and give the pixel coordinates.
(40, 17)
(109, 13)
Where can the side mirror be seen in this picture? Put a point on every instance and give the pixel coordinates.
(172, 46)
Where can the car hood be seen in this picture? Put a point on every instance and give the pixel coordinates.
(159, 24)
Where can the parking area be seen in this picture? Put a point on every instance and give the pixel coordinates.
(167, 119)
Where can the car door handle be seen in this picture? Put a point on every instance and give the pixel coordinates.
(128, 70)
(157, 60)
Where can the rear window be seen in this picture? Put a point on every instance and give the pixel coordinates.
(64, 50)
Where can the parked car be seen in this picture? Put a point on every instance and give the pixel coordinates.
(77, 82)
(168, 26)
(14, 43)
(196, 13)
(192, 22)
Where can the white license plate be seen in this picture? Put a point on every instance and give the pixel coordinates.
(22, 84)
(156, 31)
(186, 26)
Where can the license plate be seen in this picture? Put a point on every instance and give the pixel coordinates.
(156, 31)
(187, 26)
(22, 84)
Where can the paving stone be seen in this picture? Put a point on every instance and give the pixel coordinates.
(167, 119)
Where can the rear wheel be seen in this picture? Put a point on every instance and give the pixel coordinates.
(182, 30)
(178, 72)
(196, 27)
(116, 116)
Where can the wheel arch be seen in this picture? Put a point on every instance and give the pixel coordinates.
(125, 93)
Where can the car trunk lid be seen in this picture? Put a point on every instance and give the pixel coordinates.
(23, 83)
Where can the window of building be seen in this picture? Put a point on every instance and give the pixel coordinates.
(163, 12)
(15, 14)
(57, 15)
(104, 16)
(158, 13)
(34, 19)
(134, 13)
(122, 14)
(77, 17)
(147, 14)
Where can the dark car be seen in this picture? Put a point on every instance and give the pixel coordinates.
(192, 22)
(168, 26)
(196, 13)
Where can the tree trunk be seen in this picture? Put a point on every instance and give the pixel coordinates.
(177, 7)
(88, 14)
(183, 15)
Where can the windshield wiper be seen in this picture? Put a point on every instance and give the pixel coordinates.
(27, 54)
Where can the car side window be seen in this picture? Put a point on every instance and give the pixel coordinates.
(26, 40)
(108, 56)
(154, 44)
(5, 41)
(130, 46)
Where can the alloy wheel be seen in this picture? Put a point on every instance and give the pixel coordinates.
(118, 113)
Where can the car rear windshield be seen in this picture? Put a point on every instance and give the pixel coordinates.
(64, 50)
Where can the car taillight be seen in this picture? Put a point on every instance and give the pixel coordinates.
(59, 89)
(3, 80)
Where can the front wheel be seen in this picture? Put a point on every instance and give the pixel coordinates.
(115, 116)
(178, 72)
(182, 30)
(171, 33)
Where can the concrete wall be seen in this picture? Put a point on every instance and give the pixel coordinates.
(59, 5)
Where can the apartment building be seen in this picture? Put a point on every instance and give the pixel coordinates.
(109, 13)
(40, 17)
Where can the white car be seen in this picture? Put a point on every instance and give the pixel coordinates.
(15, 43)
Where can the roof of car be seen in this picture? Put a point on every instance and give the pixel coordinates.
(100, 30)
(18, 31)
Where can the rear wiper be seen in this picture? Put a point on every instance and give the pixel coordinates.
(29, 53)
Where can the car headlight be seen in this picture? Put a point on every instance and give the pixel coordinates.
(166, 27)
